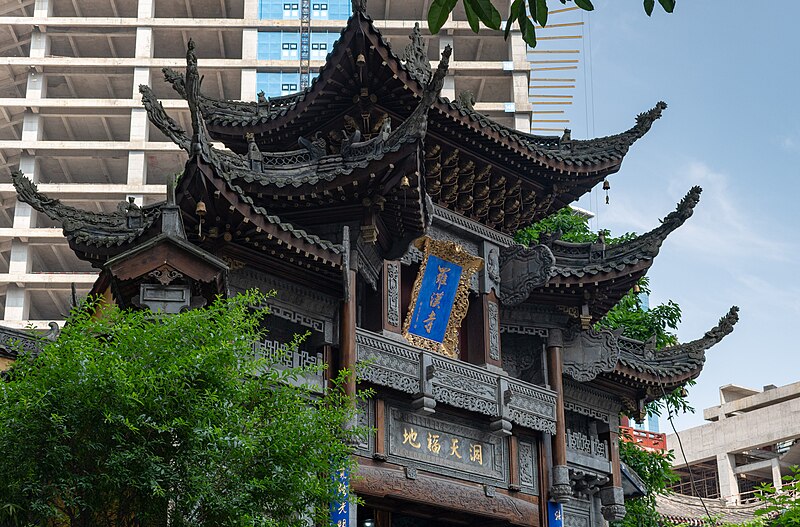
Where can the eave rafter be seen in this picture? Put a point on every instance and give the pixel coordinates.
(642, 366)
(590, 274)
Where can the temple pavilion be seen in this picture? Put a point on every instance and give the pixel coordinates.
(383, 215)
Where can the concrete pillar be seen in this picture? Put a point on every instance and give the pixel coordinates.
(31, 129)
(140, 129)
(40, 44)
(17, 299)
(522, 122)
(42, 8)
(17, 303)
(249, 52)
(728, 486)
(777, 480)
(146, 9)
(249, 77)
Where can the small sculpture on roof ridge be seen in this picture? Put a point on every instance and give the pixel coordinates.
(415, 56)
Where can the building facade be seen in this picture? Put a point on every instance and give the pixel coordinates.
(72, 118)
(751, 438)
(383, 212)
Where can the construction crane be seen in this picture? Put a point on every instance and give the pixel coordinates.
(305, 43)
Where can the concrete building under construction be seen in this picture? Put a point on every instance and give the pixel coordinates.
(70, 108)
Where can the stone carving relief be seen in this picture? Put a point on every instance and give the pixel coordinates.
(523, 269)
(589, 353)
(528, 467)
(393, 294)
(494, 330)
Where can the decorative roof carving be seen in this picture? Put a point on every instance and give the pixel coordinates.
(675, 364)
(523, 269)
(569, 157)
(579, 260)
(590, 353)
(415, 57)
(92, 229)
(14, 341)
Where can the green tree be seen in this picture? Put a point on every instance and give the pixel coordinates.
(526, 13)
(782, 507)
(657, 474)
(140, 419)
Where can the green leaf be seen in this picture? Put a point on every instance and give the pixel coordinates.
(648, 6)
(586, 5)
(486, 12)
(668, 5)
(541, 12)
(438, 13)
(472, 17)
(513, 14)
(528, 30)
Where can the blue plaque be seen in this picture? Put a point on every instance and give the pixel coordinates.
(440, 297)
(437, 293)
(340, 507)
(555, 514)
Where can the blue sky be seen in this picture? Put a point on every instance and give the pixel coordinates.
(731, 75)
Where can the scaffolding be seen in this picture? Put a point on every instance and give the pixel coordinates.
(305, 43)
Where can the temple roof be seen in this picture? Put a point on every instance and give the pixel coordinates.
(595, 266)
(474, 166)
(674, 365)
(13, 341)
(92, 235)
(690, 511)
(559, 153)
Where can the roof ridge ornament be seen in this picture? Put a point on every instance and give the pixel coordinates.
(415, 56)
(685, 208)
(359, 6)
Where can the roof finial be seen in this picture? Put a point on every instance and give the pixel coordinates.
(359, 6)
(415, 56)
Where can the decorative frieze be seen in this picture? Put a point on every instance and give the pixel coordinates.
(528, 467)
(388, 364)
(530, 406)
(590, 353)
(589, 445)
(393, 294)
(587, 401)
(473, 389)
(293, 302)
(281, 356)
(494, 330)
(397, 365)
(450, 218)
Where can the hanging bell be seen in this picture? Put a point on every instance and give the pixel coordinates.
(200, 211)
(606, 187)
(405, 184)
(361, 60)
(637, 289)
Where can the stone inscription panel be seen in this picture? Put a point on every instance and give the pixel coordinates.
(438, 443)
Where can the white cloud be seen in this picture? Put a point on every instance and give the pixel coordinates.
(724, 225)
(790, 143)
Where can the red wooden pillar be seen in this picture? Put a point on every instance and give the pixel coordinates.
(560, 489)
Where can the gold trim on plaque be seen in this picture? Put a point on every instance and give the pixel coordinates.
(453, 253)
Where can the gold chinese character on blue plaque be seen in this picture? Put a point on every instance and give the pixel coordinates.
(439, 299)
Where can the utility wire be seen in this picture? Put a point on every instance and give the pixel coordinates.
(683, 452)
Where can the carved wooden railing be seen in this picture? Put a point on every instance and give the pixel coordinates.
(431, 378)
(653, 441)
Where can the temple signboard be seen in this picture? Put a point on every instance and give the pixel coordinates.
(439, 297)
(441, 443)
